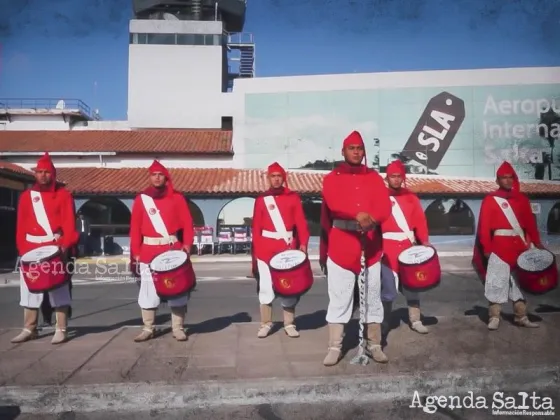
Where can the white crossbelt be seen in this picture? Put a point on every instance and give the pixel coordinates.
(505, 232)
(398, 236)
(171, 239)
(43, 239)
(277, 235)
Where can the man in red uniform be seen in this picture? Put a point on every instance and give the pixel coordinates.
(159, 213)
(278, 225)
(506, 228)
(45, 217)
(406, 226)
(355, 204)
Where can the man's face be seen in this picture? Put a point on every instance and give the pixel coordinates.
(43, 177)
(353, 154)
(395, 181)
(275, 179)
(157, 179)
(506, 182)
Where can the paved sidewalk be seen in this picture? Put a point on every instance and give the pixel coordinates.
(227, 364)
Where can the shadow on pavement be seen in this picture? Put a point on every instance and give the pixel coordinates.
(9, 412)
(482, 313)
(205, 327)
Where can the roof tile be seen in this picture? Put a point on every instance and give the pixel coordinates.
(253, 181)
(12, 168)
(120, 141)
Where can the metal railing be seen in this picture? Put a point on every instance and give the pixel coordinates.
(47, 103)
(239, 38)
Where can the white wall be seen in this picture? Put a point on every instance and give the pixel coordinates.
(36, 122)
(56, 123)
(126, 161)
(392, 80)
(176, 86)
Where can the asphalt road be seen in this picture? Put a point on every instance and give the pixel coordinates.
(225, 295)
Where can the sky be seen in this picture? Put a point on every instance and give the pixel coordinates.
(79, 48)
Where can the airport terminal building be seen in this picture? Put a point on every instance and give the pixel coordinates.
(217, 127)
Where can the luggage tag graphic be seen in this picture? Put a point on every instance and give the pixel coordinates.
(435, 130)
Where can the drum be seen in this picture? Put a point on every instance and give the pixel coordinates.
(419, 268)
(173, 274)
(291, 273)
(43, 269)
(537, 272)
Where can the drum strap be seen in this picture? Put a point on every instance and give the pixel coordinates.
(41, 213)
(400, 219)
(276, 218)
(510, 216)
(157, 221)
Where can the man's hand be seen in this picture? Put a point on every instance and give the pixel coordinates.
(428, 244)
(487, 255)
(187, 249)
(365, 220)
(135, 267)
(303, 248)
(323, 268)
(538, 246)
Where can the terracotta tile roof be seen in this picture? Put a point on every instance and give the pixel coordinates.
(252, 181)
(11, 168)
(120, 141)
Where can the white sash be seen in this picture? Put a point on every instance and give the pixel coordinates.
(401, 219)
(276, 218)
(41, 213)
(510, 216)
(155, 218)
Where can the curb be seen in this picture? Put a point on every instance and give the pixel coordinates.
(359, 388)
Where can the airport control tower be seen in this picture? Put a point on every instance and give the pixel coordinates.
(183, 56)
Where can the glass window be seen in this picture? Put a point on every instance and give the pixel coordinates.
(185, 39)
(209, 40)
(198, 39)
(162, 39)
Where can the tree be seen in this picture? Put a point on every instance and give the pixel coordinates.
(549, 129)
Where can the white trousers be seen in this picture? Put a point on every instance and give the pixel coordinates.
(266, 293)
(500, 283)
(148, 298)
(59, 297)
(341, 294)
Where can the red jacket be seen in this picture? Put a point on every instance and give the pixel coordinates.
(415, 218)
(59, 208)
(345, 194)
(493, 217)
(176, 216)
(291, 211)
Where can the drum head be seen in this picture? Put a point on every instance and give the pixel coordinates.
(287, 260)
(169, 260)
(40, 254)
(535, 260)
(417, 254)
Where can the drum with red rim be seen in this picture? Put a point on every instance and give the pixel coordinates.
(173, 274)
(291, 273)
(419, 268)
(537, 272)
(44, 269)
